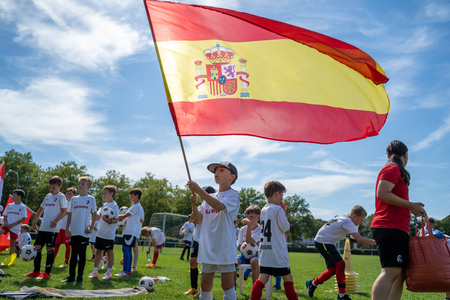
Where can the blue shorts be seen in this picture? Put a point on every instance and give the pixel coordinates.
(244, 260)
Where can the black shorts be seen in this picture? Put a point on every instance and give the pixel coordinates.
(194, 252)
(103, 244)
(187, 242)
(129, 241)
(329, 252)
(275, 271)
(392, 247)
(46, 238)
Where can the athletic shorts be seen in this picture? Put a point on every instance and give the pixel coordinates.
(103, 244)
(209, 268)
(275, 271)
(12, 235)
(392, 247)
(244, 260)
(329, 252)
(129, 240)
(194, 252)
(79, 241)
(187, 242)
(62, 238)
(46, 238)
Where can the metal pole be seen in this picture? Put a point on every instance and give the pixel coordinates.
(17, 184)
(163, 227)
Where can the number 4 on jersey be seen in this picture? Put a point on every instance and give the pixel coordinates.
(266, 230)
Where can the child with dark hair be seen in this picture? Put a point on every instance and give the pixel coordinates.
(186, 231)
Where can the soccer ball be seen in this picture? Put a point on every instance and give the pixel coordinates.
(147, 282)
(121, 223)
(123, 210)
(27, 253)
(108, 212)
(249, 250)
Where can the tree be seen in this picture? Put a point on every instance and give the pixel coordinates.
(300, 218)
(364, 228)
(247, 197)
(29, 173)
(443, 225)
(112, 177)
(182, 203)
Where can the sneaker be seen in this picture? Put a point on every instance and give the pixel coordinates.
(121, 274)
(79, 280)
(106, 277)
(310, 287)
(68, 279)
(133, 269)
(197, 294)
(181, 258)
(93, 275)
(44, 275)
(191, 291)
(92, 258)
(345, 297)
(276, 287)
(150, 265)
(245, 277)
(64, 265)
(32, 274)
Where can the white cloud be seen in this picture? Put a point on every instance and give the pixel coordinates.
(435, 136)
(49, 111)
(319, 154)
(438, 11)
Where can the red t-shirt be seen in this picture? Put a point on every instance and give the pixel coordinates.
(387, 215)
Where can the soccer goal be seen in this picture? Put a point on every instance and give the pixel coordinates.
(170, 224)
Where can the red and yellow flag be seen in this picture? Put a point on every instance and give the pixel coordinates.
(232, 73)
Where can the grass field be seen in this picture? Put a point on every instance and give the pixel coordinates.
(303, 266)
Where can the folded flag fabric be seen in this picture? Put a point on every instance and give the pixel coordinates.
(232, 73)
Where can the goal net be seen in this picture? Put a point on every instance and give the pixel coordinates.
(170, 224)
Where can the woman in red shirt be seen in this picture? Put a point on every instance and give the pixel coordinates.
(390, 226)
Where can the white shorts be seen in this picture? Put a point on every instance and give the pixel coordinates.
(209, 268)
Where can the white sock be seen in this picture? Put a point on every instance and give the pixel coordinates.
(108, 271)
(206, 295)
(229, 294)
(341, 295)
(95, 270)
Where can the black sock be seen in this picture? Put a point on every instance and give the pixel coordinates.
(194, 278)
(188, 252)
(184, 250)
(49, 261)
(37, 261)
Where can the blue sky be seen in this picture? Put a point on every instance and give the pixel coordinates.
(79, 80)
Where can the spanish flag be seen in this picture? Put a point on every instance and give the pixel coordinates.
(232, 73)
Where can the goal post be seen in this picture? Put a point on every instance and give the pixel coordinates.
(170, 224)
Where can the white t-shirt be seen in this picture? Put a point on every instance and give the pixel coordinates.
(137, 234)
(158, 235)
(256, 234)
(52, 205)
(335, 230)
(273, 251)
(63, 222)
(93, 235)
(238, 230)
(188, 228)
(81, 208)
(217, 239)
(105, 230)
(196, 233)
(133, 221)
(24, 239)
(15, 212)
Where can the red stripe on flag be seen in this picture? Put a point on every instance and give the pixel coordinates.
(281, 121)
(181, 22)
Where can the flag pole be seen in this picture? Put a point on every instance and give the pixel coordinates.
(184, 156)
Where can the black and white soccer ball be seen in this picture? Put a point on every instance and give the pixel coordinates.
(249, 250)
(27, 253)
(147, 283)
(108, 212)
(121, 223)
(123, 210)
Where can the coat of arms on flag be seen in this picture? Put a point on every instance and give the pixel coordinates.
(221, 74)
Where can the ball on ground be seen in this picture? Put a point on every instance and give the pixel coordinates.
(147, 283)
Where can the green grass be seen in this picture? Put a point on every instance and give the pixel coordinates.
(303, 266)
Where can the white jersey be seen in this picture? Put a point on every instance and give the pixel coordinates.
(217, 239)
(133, 221)
(273, 251)
(188, 229)
(335, 230)
(238, 230)
(15, 212)
(93, 235)
(196, 233)
(105, 230)
(81, 208)
(158, 235)
(256, 234)
(52, 206)
(24, 239)
(137, 234)
(63, 221)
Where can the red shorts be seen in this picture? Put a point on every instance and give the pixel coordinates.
(12, 235)
(159, 246)
(62, 238)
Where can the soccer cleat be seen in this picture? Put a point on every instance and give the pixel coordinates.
(276, 287)
(79, 280)
(63, 265)
(245, 277)
(32, 274)
(133, 269)
(150, 265)
(121, 274)
(44, 275)
(68, 279)
(197, 294)
(106, 277)
(345, 297)
(93, 275)
(181, 258)
(191, 291)
(310, 287)
(92, 258)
